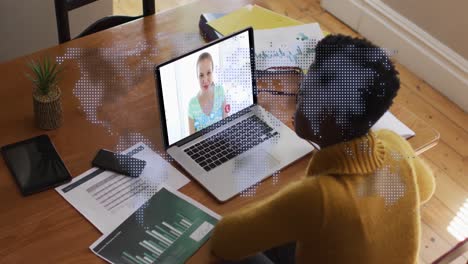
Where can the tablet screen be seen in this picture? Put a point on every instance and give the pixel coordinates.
(35, 164)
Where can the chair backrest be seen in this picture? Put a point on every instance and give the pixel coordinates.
(62, 7)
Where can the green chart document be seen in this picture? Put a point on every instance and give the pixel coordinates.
(169, 228)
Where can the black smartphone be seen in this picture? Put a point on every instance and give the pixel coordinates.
(120, 163)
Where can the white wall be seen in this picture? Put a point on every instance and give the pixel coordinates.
(422, 53)
(445, 20)
(27, 26)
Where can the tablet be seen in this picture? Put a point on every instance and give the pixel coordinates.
(35, 164)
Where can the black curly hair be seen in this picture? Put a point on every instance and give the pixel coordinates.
(352, 80)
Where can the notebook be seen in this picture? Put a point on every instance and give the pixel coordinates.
(251, 16)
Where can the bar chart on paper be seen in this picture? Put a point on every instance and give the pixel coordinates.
(167, 229)
(164, 235)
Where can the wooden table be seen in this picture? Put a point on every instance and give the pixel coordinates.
(109, 102)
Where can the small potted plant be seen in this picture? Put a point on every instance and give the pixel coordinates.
(47, 102)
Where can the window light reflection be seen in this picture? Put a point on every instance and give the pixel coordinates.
(458, 227)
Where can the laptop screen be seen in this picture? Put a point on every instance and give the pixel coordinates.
(207, 85)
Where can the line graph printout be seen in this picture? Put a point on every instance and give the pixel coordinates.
(169, 228)
(292, 46)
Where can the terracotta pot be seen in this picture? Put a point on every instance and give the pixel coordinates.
(48, 112)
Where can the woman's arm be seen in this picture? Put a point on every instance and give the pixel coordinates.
(289, 215)
(191, 125)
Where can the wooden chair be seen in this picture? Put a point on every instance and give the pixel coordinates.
(62, 7)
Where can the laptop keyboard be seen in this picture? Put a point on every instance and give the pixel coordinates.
(230, 142)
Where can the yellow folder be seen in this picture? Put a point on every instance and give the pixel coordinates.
(251, 15)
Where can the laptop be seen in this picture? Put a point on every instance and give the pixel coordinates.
(211, 122)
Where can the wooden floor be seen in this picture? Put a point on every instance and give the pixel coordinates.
(449, 159)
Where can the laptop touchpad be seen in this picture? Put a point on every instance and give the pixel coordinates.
(254, 166)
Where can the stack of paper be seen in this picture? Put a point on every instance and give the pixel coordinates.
(144, 219)
(280, 41)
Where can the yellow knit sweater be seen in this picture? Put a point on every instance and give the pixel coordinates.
(358, 203)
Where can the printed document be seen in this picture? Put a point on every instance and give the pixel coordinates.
(295, 47)
(106, 198)
(169, 228)
(389, 121)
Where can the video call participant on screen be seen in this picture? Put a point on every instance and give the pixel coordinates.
(208, 106)
(359, 200)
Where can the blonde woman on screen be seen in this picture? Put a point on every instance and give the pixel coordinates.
(208, 106)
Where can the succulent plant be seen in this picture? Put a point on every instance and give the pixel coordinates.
(45, 74)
